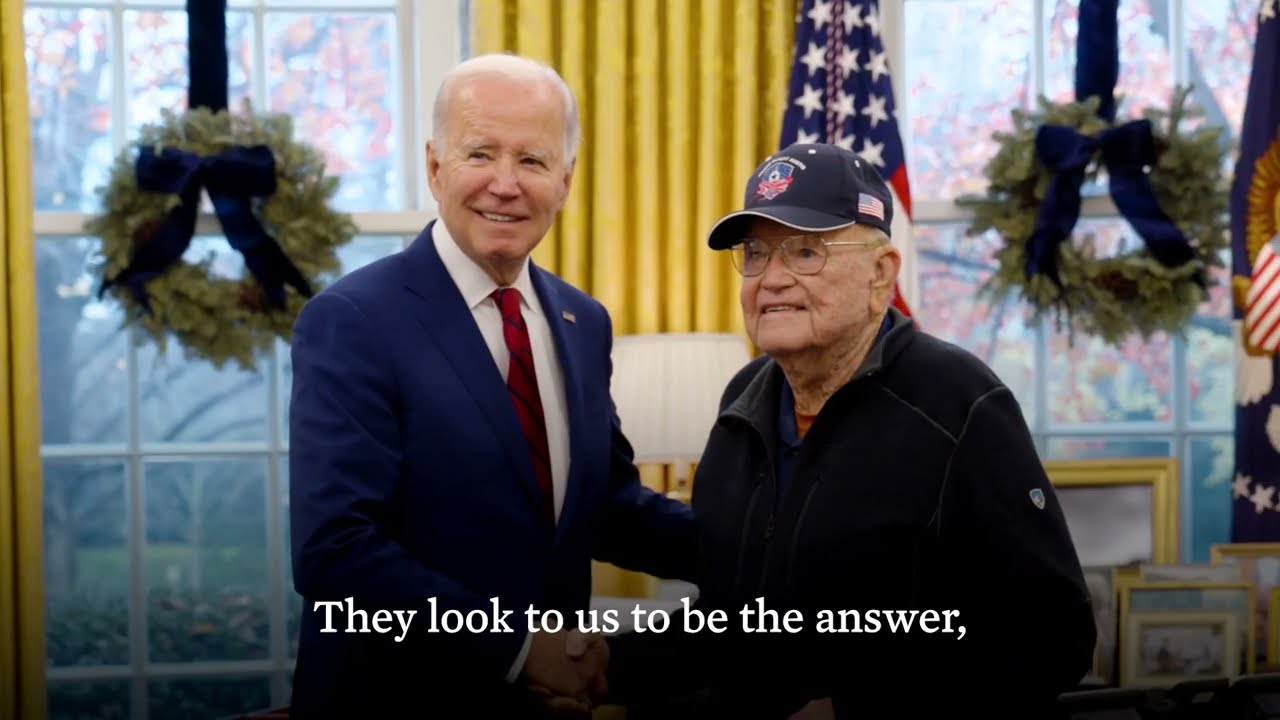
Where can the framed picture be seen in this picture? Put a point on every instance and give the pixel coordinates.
(1119, 511)
(1258, 563)
(1273, 627)
(1162, 649)
(1102, 595)
(1142, 598)
(1195, 572)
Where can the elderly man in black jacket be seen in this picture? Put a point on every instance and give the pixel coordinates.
(862, 465)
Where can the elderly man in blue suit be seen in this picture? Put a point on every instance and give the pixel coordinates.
(453, 440)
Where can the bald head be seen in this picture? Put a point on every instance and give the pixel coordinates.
(536, 74)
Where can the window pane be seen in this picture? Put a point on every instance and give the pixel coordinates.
(191, 401)
(241, 57)
(1146, 66)
(1210, 368)
(1220, 35)
(285, 363)
(294, 4)
(336, 75)
(97, 699)
(206, 560)
(361, 251)
(1076, 448)
(206, 697)
(372, 4)
(1211, 461)
(1211, 350)
(86, 551)
(960, 85)
(1091, 381)
(188, 400)
(156, 73)
(83, 375)
(69, 81)
(293, 601)
(952, 268)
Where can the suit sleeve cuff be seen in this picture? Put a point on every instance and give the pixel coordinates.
(514, 673)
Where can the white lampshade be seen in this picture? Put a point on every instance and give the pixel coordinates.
(667, 387)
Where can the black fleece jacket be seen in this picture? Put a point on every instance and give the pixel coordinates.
(918, 487)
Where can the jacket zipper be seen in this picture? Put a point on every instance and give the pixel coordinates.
(742, 542)
(769, 531)
(795, 533)
(770, 526)
(764, 560)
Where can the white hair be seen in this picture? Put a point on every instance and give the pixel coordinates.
(511, 66)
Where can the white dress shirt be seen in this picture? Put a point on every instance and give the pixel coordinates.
(477, 288)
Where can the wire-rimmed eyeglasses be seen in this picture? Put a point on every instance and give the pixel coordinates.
(802, 254)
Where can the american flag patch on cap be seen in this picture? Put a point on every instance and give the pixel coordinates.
(870, 205)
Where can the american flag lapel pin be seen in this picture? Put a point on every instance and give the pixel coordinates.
(568, 316)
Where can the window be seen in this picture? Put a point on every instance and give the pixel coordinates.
(1169, 396)
(166, 488)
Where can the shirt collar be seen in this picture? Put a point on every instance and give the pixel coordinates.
(788, 432)
(473, 282)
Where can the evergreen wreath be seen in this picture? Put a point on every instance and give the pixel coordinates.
(1132, 292)
(271, 196)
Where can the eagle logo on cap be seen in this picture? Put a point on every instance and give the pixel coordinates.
(775, 180)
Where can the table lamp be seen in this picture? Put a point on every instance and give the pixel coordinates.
(667, 387)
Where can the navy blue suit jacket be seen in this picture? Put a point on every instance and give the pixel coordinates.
(410, 479)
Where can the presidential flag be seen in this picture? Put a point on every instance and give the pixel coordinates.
(1255, 268)
(841, 93)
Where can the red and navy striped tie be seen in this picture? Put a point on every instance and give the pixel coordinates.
(522, 385)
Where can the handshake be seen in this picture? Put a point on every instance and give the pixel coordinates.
(565, 671)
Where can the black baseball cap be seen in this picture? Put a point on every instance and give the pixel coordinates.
(810, 187)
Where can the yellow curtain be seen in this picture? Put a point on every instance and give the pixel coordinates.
(22, 692)
(679, 101)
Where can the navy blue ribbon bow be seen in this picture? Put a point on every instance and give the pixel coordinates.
(1128, 153)
(232, 178)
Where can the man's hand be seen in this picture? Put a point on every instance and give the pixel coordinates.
(594, 651)
(567, 670)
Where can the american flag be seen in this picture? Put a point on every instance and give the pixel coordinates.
(841, 93)
(870, 205)
(1255, 229)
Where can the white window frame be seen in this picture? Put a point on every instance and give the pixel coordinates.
(430, 39)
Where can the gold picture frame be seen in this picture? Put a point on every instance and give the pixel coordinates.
(1273, 627)
(1259, 565)
(1101, 584)
(1125, 574)
(1152, 481)
(1187, 599)
(1163, 648)
(1191, 572)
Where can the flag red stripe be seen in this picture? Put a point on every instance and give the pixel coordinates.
(901, 186)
